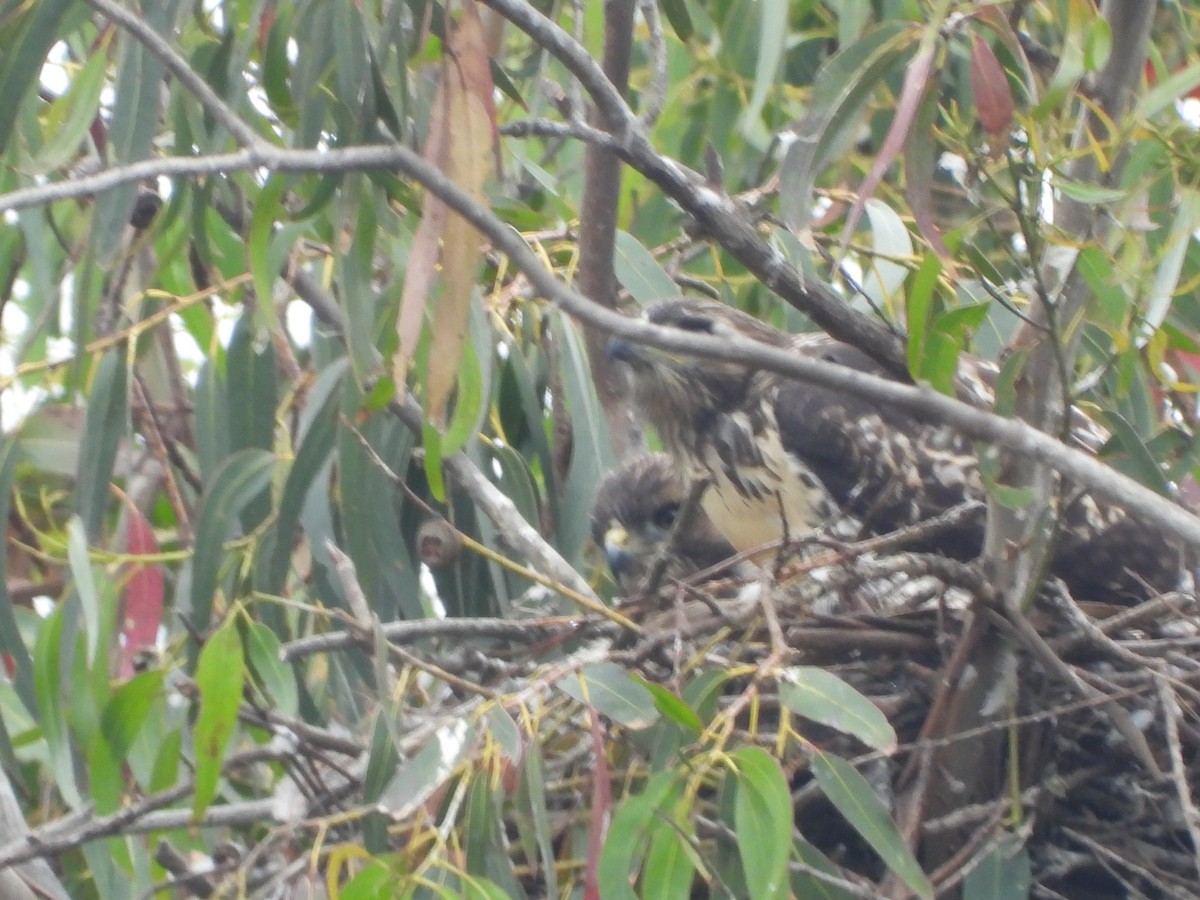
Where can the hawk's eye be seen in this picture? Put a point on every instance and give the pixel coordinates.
(695, 323)
(664, 516)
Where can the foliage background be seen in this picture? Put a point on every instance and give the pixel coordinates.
(205, 402)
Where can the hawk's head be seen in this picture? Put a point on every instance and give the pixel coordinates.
(633, 514)
(679, 393)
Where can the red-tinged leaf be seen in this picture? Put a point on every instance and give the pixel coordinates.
(463, 143)
(469, 157)
(917, 80)
(920, 161)
(990, 87)
(601, 808)
(418, 276)
(143, 602)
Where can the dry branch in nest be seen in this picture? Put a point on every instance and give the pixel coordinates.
(504, 749)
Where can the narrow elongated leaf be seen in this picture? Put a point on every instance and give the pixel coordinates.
(239, 479)
(592, 454)
(639, 272)
(136, 111)
(106, 426)
(252, 387)
(1004, 874)
(625, 846)
(11, 643)
(854, 799)
(33, 34)
(85, 586)
(319, 431)
(48, 680)
(126, 711)
(772, 35)
(919, 309)
(668, 871)
(278, 682)
(841, 91)
(417, 778)
(71, 115)
(823, 697)
(763, 821)
(613, 692)
(219, 678)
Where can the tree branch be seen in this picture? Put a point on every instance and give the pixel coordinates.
(923, 402)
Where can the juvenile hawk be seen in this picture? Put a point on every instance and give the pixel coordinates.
(785, 458)
(632, 516)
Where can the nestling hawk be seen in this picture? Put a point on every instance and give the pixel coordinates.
(785, 458)
(635, 508)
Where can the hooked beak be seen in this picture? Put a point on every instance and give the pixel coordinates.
(620, 558)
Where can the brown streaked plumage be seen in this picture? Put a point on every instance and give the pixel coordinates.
(785, 458)
(633, 513)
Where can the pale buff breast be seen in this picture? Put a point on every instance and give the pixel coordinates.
(758, 504)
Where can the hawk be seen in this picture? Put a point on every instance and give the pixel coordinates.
(785, 458)
(633, 513)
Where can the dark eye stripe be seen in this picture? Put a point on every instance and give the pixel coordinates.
(695, 323)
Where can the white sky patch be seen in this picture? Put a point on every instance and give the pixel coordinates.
(955, 166)
(429, 589)
(1189, 111)
(54, 76)
(299, 321)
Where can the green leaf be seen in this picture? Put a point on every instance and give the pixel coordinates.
(70, 116)
(238, 481)
(470, 395)
(267, 248)
(763, 821)
(677, 14)
(858, 803)
(809, 886)
(890, 241)
(251, 377)
(1005, 873)
(48, 681)
(672, 706)
(126, 711)
(422, 774)
(431, 442)
(1166, 93)
(136, 111)
(32, 34)
(919, 309)
(317, 438)
(841, 92)
(84, 584)
(613, 692)
(1139, 462)
(219, 678)
(1088, 193)
(533, 793)
(11, 642)
(772, 35)
(625, 845)
(359, 295)
(275, 677)
(669, 870)
(102, 434)
(639, 272)
(823, 697)
(592, 453)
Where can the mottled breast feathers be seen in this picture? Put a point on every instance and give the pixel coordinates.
(785, 458)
